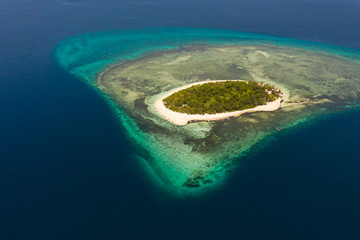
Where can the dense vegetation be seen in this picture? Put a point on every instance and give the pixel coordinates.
(218, 97)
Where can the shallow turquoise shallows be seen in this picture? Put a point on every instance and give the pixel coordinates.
(86, 55)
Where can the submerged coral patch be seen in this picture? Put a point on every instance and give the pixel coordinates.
(132, 69)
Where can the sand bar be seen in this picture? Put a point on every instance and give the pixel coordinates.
(183, 118)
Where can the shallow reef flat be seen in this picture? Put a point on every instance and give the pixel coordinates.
(197, 156)
(130, 69)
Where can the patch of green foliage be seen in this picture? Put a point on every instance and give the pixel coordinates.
(219, 97)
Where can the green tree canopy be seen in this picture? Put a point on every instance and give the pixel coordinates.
(219, 97)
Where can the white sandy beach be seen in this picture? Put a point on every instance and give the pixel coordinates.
(183, 118)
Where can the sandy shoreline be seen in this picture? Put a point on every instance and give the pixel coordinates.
(183, 118)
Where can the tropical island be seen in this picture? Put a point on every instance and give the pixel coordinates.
(201, 154)
(217, 100)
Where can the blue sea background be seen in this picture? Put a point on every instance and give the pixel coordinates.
(68, 171)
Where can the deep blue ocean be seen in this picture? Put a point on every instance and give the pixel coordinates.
(68, 171)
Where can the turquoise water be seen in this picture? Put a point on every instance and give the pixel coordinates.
(68, 171)
(86, 55)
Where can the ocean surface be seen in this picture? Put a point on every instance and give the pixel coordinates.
(68, 170)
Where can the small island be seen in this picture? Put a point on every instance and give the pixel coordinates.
(216, 100)
(198, 156)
